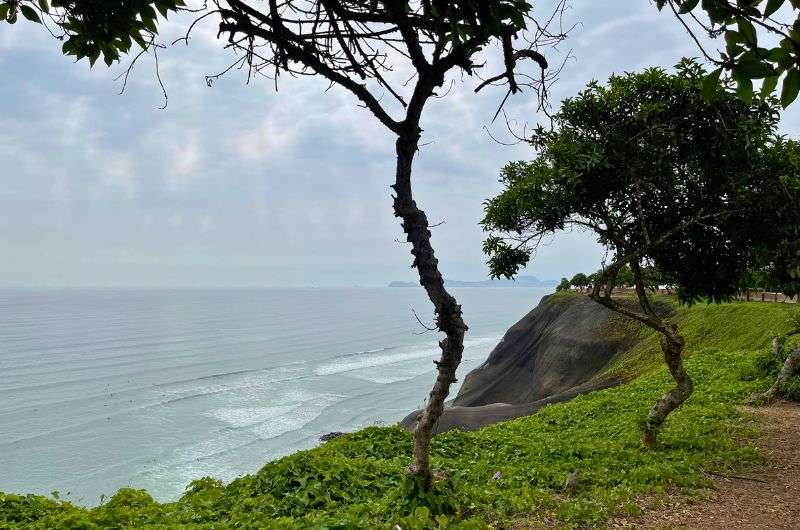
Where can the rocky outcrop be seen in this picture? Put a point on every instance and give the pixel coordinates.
(556, 352)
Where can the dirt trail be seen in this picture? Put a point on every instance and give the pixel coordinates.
(770, 501)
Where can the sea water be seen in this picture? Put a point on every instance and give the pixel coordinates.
(106, 388)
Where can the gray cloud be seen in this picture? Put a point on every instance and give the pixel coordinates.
(240, 185)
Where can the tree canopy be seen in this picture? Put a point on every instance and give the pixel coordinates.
(659, 172)
(91, 28)
(666, 173)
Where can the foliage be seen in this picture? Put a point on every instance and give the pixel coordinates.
(564, 285)
(774, 262)
(90, 28)
(661, 175)
(747, 26)
(580, 280)
(709, 326)
(357, 481)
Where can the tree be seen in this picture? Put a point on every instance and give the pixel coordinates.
(352, 44)
(580, 281)
(747, 27)
(564, 285)
(790, 368)
(662, 176)
(652, 277)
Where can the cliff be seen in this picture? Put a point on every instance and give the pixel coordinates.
(554, 353)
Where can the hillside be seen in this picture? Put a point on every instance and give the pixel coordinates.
(557, 351)
(505, 472)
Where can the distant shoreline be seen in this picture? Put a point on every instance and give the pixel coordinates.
(521, 281)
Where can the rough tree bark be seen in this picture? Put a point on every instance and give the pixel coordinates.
(448, 311)
(790, 367)
(672, 346)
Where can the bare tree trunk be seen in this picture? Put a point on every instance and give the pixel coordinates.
(448, 311)
(672, 345)
(790, 368)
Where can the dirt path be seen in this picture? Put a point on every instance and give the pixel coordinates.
(772, 501)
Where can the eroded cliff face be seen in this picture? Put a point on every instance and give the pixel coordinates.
(552, 354)
(564, 342)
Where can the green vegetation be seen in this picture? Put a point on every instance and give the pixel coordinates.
(741, 23)
(726, 327)
(357, 481)
(670, 176)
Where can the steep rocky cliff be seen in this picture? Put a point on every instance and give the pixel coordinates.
(552, 354)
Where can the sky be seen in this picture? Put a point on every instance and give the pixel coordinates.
(239, 185)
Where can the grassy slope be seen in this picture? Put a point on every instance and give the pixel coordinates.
(357, 481)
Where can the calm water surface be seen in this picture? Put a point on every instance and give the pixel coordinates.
(101, 389)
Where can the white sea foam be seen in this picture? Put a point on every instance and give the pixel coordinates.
(369, 361)
(246, 416)
(296, 419)
(292, 410)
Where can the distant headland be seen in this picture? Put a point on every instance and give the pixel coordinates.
(520, 281)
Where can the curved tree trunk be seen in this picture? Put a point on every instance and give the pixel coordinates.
(448, 311)
(672, 345)
(790, 368)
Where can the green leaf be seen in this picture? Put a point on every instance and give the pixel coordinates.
(93, 57)
(150, 25)
(44, 5)
(711, 84)
(3, 11)
(753, 69)
(136, 36)
(778, 55)
(732, 37)
(791, 86)
(29, 13)
(148, 12)
(744, 89)
(772, 6)
(768, 86)
(748, 31)
(687, 6)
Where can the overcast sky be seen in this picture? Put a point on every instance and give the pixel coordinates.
(238, 185)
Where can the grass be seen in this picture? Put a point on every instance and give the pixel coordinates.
(357, 481)
(728, 327)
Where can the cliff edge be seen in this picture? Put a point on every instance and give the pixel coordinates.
(554, 353)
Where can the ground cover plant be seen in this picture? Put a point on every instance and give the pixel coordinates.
(504, 472)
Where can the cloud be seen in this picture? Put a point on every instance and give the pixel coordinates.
(272, 139)
(237, 184)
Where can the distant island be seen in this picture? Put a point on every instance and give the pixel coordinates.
(520, 281)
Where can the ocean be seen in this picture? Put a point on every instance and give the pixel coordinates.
(109, 388)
